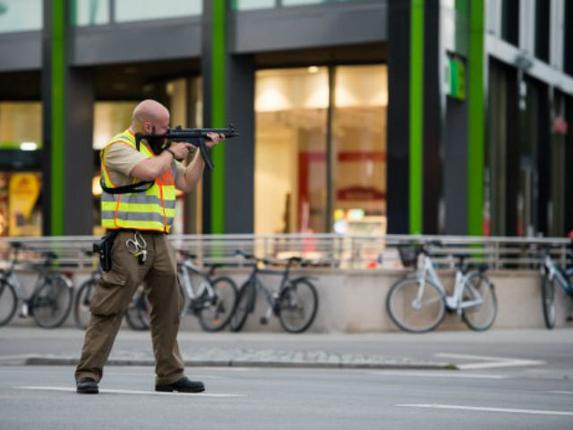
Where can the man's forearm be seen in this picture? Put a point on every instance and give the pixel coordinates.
(194, 171)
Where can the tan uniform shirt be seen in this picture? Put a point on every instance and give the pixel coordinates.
(120, 159)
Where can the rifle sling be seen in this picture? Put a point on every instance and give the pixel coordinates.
(131, 188)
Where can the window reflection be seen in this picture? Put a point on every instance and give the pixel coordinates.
(359, 142)
(91, 12)
(20, 15)
(264, 4)
(139, 10)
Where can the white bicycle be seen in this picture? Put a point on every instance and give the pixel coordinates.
(418, 302)
(212, 300)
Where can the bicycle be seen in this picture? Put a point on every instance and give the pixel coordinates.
(552, 275)
(417, 303)
(134, 317)
(213, 301)
(295, 302)
(84, 296)
(50, 301)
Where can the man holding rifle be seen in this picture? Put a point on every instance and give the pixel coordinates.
(140, 172)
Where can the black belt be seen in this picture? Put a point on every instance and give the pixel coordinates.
(134, 230)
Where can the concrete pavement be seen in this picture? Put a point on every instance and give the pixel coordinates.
(440, 350)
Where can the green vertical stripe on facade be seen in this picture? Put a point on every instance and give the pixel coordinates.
(416, 115)
(218, 49)
(58, 66)
(476, 114)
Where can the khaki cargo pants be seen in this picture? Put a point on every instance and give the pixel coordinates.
(112, 296)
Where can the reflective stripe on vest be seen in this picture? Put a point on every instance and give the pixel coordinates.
(152, 210)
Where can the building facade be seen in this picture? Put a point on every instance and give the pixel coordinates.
(355, 116)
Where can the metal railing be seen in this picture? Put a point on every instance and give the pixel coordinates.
(324, 250)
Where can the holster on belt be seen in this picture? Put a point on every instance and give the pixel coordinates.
(103, 248)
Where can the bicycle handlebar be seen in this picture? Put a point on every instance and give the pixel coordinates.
(289, 261)
(187, 254)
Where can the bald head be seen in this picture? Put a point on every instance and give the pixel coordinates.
(150, 113)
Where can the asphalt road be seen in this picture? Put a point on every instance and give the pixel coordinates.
(508, 380)
(262, 398)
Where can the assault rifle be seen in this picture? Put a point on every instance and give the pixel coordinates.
(194, 136)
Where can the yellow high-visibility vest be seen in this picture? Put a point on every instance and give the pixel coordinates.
(152, 210)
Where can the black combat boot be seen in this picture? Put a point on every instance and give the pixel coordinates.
(184, 385)
(87, 386)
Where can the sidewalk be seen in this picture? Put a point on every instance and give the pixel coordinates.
(34, 346)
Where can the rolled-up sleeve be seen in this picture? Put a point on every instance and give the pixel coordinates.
(122, 158)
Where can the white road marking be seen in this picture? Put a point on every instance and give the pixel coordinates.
(491, 362)
(230, 369)
(17, 358)
(141, 392)
(487, 409)
(434, 374)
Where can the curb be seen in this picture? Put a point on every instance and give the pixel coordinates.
(31, 360)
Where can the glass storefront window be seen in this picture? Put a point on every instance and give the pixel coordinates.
(20, 211)
(91, 12)
(20, 15)
(254, 4)
(292, 119)
(291, 112)
(265, 4)
(140, 10)
(359, 144)
(304, 2)
(21, 125)
(20, 130)
(110, 118)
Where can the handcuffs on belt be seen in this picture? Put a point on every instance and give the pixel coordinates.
(137, 247)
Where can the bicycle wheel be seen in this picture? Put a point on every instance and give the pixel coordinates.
(548, 301)
(479, 317)
(137, 314)
(216, 312)
(413, 310)
(298, 305)
(8, 303)
(245, 305)
(52, 302)
(82, 303)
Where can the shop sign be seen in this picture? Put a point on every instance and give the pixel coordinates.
(24, 190)
(456, 77)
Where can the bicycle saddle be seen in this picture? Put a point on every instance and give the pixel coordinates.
(483, 267)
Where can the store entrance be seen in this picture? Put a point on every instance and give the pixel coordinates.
(320, 157)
